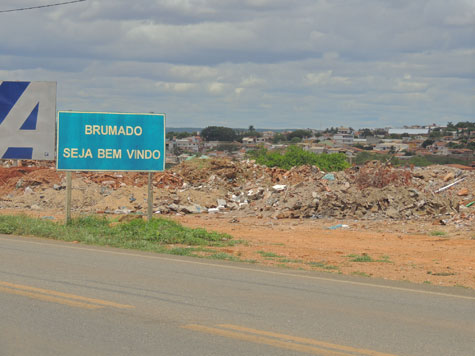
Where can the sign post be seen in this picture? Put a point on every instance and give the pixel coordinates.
(68, 197)
(150, 197)
(89, 141)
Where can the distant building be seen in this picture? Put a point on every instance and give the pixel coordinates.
(192, 143)
(344, 130)
(211, 144)
(268, 134)
(396, 146)
(343, 139)
(248, 140)
(410, 132)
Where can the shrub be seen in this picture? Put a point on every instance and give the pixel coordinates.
(295, 156)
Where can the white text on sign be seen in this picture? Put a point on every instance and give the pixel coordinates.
(112, 130)
(110, 153)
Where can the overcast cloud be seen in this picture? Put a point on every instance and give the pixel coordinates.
(267, 63)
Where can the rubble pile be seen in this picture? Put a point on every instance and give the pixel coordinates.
(243, 188)
(220, 172)
(378, 175)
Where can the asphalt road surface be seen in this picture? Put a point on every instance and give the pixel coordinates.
(61, 298)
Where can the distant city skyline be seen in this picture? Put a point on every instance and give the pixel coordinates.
(267, 63)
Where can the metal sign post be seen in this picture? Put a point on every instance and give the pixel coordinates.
(69, 189)
(150, 197)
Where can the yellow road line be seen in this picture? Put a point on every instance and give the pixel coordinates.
(41, 291)
(304, 340)
(49, 298)
(265, 340)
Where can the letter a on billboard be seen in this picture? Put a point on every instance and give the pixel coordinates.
(27, 120)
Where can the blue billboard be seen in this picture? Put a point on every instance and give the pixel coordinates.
(91, 141)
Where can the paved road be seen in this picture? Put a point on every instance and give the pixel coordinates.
(68, 299)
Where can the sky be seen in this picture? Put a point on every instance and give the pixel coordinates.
(267, 63)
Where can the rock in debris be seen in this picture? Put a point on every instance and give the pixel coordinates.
(191, 209)
(449, 176)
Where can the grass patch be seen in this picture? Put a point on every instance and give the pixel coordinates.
(136, 234)
(361, 258)
(288, 260)
(322, 265)
(367, 258)
(223, 256)
(438, 233)
(181, 251)
(361, 274)
(268, 254)
(443, 274)
(385, 259)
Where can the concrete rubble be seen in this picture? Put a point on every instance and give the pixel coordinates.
(243, 188)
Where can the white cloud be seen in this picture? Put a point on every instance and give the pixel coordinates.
(175, 87)
(261, 62)
(216, 88)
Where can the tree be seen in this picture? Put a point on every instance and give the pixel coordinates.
(301, 134)
(218, 133)
(380, 132)
(331, 130)
(436, 132)
(427, 142)
(366, 133)
(278, 137)
(451, 126)
(295, 156)
(172, 134)
(251, 132)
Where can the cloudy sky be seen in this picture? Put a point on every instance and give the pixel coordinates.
(267, 63)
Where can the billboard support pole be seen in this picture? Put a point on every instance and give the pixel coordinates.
(150, 196)
(68, 197)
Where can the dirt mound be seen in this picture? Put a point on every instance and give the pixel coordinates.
(15, 178)
(243, 188)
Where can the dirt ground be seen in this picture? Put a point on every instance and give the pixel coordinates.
(398, 224)
(418, 252)
(399, 251)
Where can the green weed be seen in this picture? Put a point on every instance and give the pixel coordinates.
(136, 234)
(385, 259)
(322, 265)
(361, 274)
(360, 258)
(438, 233)
(288, 260)
(268, 254)
(223, 256)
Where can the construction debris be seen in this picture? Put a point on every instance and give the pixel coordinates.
(243, 188)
